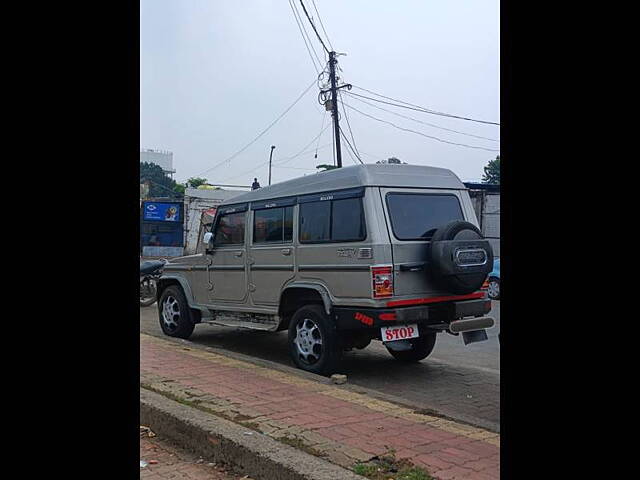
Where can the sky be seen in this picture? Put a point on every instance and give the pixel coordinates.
(215, 74)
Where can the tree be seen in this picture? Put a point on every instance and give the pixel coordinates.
(195, 182)
(326, 167)
(392, 160)
(160, 184)
(492, 172)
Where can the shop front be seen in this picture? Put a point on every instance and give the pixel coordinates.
(162, 228)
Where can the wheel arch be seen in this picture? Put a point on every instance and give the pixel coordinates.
(296, 295)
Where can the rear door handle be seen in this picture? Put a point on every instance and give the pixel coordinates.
(238, 254)
(286, 251)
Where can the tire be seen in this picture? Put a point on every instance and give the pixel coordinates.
(174, 313)
(422, 348)
(148, 297)
(309, 325)
(494, 288)
(444, 272)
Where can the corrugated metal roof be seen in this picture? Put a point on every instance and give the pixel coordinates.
(374, 175)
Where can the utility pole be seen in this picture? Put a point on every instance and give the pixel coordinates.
(270, 155)
(334, 106)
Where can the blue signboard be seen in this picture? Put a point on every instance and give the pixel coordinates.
(162, 212)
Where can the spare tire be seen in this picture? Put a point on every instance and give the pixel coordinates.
(459, 258)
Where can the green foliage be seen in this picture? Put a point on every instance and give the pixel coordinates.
(392, 161)
(326, 167)
(160, 184)
(195, 182)
(492, 172)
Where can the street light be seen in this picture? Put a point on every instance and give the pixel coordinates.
(270, 155)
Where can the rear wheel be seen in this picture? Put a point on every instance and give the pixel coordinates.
(174, 313)
(421, 348)
(313, 341)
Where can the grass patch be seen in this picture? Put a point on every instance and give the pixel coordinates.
(387, 467)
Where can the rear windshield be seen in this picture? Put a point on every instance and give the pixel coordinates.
(416, 216)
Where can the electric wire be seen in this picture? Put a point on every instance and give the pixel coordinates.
(424, 123)
(350, 147)
(417, 107)
(260, 134)
(314, 27)
(421, 133)
(304, 39)
(321, 24)
(348, 125)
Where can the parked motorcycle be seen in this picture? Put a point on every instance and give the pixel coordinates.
(150, 272)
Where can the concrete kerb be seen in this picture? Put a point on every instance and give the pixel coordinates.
(219, 440)
(428, 409)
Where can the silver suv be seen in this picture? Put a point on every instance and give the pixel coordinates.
(370, 252)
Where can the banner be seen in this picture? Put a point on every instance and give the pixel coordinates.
(162, 212)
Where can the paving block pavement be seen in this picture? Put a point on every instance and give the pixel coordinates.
(326, 420)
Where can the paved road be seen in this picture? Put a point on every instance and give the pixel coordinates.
(456, 380)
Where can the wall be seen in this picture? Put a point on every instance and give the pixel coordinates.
(487, 207)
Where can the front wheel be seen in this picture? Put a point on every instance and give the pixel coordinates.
(313, 341)
(147, 292)
(421, 348)
(494, 288)
(174, 313)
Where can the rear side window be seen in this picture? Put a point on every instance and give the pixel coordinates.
(417, 216)
(332, 221)
(230, 230)
(274, 225)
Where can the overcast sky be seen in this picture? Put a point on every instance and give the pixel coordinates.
(214, 74)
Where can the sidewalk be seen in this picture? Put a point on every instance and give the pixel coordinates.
(162, 461)
(344, 427)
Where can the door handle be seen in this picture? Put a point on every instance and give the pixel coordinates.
(237, 254)
(286, 251)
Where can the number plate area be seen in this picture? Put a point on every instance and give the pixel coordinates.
(399, 332)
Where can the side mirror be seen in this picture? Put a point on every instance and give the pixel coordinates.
(208, 238)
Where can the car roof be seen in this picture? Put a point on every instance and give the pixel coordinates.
(373, 175)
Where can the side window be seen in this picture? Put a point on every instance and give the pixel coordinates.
(347, 220)
(332, 221)
(273, 225)
(230, 229)
(315, 222)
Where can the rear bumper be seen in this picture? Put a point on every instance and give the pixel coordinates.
(439, 316)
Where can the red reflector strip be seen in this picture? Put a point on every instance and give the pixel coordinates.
(388, 316)
(422, 301)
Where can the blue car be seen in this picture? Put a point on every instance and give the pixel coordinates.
(494, 281)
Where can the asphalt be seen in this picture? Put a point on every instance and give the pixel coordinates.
(458, 381)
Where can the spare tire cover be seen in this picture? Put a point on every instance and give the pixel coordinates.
(459, 258)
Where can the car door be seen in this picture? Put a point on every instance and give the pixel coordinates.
(271, 252)
(227, 271)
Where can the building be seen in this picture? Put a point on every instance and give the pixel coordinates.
(486, 202)
(200, 207)
(163, 159)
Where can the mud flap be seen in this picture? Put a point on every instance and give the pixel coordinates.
(474, 336)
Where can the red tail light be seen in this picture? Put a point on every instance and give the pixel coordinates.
(382, 281)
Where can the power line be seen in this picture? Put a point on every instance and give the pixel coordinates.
(418, 107)
(314, 27)
(321, 24)
(261, 133)
(420, 121)
(351, 147)
(348, 125)
(305, 37)
(420, 133)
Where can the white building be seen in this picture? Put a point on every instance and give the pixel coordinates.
(199, 208)
(163, 159)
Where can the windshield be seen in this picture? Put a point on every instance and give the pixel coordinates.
(416, 216)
